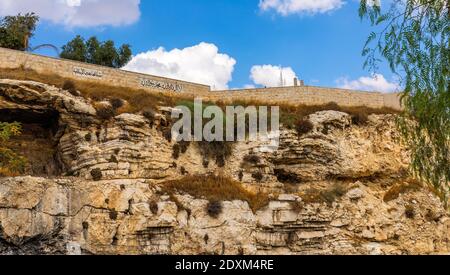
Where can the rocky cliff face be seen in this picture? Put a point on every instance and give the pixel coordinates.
(96, 186)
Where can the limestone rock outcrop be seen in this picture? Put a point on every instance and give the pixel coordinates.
(74, 216)
(101, 190)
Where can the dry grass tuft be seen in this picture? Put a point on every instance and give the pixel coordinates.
(70, 86)
(4, 172)
(138, 99)
(292, 114)
(402, 187)
(330, 195)
(215, 189)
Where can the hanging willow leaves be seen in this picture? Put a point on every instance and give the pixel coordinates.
(413, 36)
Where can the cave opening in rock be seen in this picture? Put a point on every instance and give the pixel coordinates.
(38, 141)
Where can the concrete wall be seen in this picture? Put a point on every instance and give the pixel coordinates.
(77, 70)
(291, 95)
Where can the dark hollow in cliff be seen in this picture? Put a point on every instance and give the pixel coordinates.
(38, 141)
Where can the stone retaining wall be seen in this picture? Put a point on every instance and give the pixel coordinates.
(10, 59)
(307, 95)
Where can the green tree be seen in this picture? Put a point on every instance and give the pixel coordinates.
(124, 55)
(75, 50)
(108, 54)
(413, 36)
(95, 52)
(93, 46)
(16, 31)
(11, 164)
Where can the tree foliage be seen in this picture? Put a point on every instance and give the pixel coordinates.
(11, 163)
(413, 36)
(16, 31)
(96, 52)
(75, 50)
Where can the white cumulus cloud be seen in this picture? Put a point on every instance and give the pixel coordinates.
(270, 76)
(374, 83)
(201, 63)
(77, 13)
(287, 7)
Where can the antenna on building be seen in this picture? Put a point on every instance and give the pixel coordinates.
(281, 77)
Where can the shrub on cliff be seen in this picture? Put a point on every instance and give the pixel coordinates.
(303, 127)
(176, 151)
(410, 212)
(286, 176)
(360, 118)
(214, 209)
(258, 176)
(105, 112)
(179, 148)
(149, 114)
(116, 103)
(11, 163)
(167, 134)
(153, 205)
(252, 158)
(88, 137)
(96, 174)
(216, 150)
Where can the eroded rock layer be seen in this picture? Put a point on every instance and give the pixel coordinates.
(99, 187)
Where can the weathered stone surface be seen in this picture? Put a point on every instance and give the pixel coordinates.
(355, 194)
(114, 217)
(126, 211)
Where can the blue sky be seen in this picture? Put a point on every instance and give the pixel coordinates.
(319, 43)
